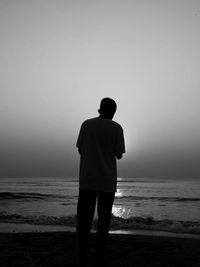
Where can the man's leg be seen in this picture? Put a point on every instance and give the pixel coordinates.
(85, 214)
(104, 210)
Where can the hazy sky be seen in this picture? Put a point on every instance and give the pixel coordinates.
(58, 59)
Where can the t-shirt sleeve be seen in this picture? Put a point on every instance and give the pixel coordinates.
(120, 144)
(80, 138)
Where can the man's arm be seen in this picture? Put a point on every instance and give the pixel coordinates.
(80, 139)
(119, 156)
(120, 146)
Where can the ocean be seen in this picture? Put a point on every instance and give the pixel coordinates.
(140, 204)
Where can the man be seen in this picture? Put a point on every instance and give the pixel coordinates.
(99, 143)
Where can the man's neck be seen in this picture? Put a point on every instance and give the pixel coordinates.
(105, 117)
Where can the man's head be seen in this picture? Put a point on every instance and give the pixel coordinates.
(107, 108)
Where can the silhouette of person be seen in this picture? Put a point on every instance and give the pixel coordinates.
(99, 143)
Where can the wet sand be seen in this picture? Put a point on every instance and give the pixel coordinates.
(58, 249)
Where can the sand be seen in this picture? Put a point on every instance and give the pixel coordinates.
(58, 249)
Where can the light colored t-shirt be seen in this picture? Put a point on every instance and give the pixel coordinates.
(99, 141)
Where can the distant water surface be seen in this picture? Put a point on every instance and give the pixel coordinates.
(140, 203)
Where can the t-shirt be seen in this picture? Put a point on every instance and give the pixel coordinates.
(99, 141)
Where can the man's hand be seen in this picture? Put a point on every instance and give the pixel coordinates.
(119, 156)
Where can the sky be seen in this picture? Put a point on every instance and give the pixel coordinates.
(60, 58)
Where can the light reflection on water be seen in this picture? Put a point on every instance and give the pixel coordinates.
(119, 193)
(119, 211)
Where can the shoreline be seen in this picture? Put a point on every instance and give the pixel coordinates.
(57, 249)
(33, 228)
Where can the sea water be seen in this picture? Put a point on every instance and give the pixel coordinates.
(150, 204)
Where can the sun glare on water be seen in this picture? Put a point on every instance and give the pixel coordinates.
(118, 211)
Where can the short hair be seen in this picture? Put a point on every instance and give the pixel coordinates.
(108, 105)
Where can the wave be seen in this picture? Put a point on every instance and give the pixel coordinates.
(117, 223)
(149, 223)
(139, 180)
(30, 196)
(184, 199)
(38, 220)
(40, 196)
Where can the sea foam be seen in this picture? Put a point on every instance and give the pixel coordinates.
(117, 223)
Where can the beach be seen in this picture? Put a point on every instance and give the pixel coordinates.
(57, 249)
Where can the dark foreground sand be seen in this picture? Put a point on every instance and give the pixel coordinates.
(58, 249)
